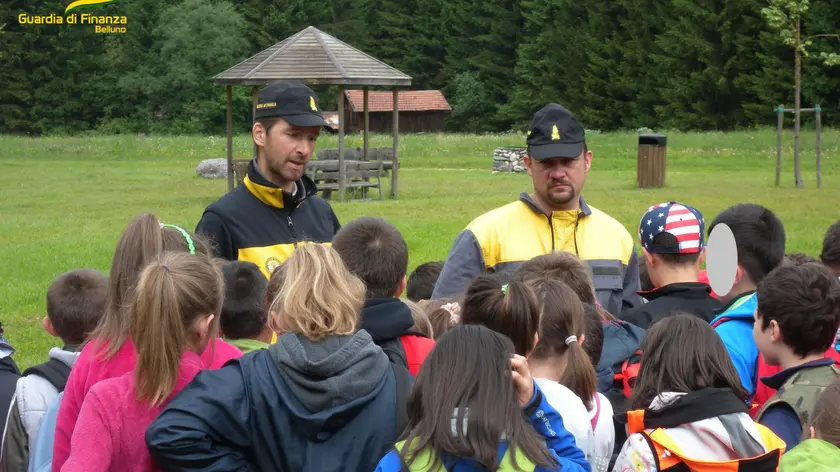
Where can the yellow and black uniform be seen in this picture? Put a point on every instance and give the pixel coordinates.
(261, 223)
(504, 238)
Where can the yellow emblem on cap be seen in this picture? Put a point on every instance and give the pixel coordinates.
(555, 133)
(312, 104)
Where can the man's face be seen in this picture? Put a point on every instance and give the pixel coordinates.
(558, 181)
(286, 149)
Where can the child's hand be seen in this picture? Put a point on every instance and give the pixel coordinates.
(522, 380)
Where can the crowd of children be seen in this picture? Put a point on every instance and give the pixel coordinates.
(342, 361)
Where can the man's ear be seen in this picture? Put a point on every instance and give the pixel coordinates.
(527, 161)
(401, 287)
(258, 133)
(587, 159)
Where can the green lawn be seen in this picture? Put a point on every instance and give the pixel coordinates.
(65, 201)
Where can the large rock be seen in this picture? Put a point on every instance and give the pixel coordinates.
(212, 168)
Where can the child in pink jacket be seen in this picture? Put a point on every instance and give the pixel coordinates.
(175, 316)
(111, 351)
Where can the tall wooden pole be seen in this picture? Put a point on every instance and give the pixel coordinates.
(819, 160)
(367, 119)
(780, 112)
(229, 138)
(797, 79)
(255, 98)
(342, 172)
(395, 125)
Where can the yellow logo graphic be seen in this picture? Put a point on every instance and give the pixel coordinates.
(74, 4)
(271, 263)
(555, 133)
(266, 105)
(312, 104)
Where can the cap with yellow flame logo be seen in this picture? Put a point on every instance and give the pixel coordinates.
(293, 101)
(555, 132)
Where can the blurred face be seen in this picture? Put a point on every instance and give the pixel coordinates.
(558, 181)
(284, 151)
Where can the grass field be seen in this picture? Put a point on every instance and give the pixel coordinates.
(65, 201)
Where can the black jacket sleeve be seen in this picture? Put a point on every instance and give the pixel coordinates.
(212, 227)
(205, 427)
(631, 299)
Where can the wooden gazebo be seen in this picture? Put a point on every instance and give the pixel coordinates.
(316, 58)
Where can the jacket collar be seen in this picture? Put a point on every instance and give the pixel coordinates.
(736, 302)
(273, 195)
(778, 379)
(525, 198)
(692, 407)
(681, 289)
(386, 318)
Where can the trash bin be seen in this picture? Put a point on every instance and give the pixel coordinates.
(650, 167)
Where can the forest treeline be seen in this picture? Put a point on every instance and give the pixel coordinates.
(619, 64)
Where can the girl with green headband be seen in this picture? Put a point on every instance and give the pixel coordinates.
(109, 351)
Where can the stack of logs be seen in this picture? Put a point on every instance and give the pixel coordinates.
(509, 160)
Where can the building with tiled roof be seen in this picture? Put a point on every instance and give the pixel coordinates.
(421, 111)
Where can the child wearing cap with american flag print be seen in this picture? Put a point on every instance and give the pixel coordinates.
(671, 235)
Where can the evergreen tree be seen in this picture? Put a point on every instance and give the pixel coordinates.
(550, 59)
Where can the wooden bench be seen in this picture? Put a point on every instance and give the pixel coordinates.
(360, 176)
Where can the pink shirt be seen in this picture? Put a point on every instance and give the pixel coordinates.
(90, 369)
(110, 431)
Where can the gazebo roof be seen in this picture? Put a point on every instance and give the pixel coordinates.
(314, 57)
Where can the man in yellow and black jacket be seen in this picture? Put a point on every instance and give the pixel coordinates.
(277, 207)
(554, 218)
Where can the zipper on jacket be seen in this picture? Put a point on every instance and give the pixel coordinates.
(292, 227)
(551, 227)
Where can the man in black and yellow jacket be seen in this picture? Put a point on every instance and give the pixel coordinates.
(554, 218)
(277, 207)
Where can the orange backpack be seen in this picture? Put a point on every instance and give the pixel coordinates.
(670, 456)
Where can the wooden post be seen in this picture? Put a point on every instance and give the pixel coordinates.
(779, 125)
(367, 120)
(797, 80)
(819, 160)
(342, 172)
(255, 98)
(229, 138)
(395, 128)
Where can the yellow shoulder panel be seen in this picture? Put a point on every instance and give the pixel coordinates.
(511, 233)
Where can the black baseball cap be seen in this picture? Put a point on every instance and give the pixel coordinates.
(293, 101)
(555, 132)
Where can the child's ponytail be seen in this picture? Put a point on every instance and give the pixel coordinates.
(511, 309)
(579, 375)
(174, 291)
(561, 328)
